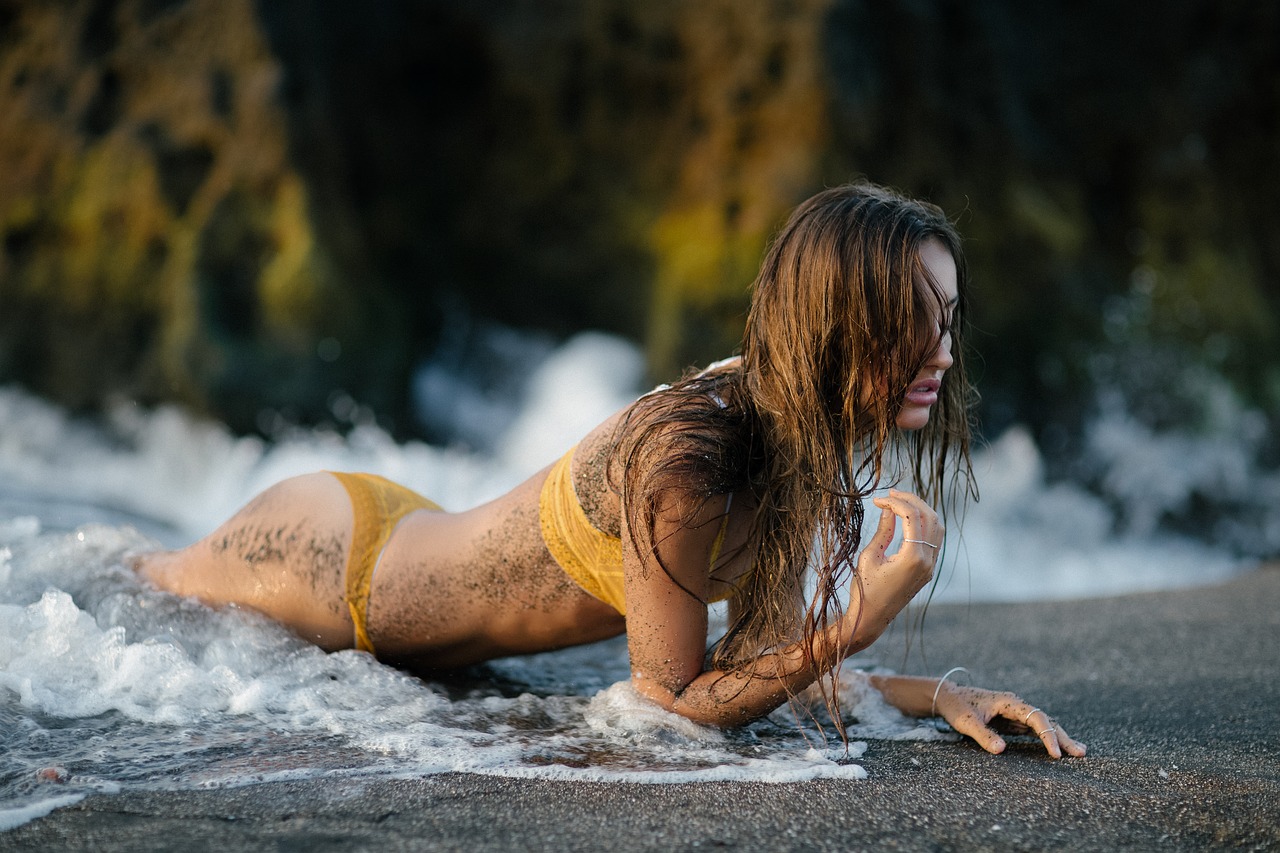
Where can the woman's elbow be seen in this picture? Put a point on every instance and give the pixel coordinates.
(701, 708)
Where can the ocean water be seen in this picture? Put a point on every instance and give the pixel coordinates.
(107, 685)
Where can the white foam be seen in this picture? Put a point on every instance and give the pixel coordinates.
(172, 694)
(578, 386)
(148, 690)
(1028, 539)
(18, 815)
(18, 529)
(872, 716)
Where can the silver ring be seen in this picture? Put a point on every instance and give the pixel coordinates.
(1046, 731)
(922, 542)
(1028, 716)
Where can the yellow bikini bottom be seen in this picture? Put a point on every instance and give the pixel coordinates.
(592, 558)
(377, 505)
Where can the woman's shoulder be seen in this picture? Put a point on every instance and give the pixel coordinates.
(732, 362)
(713, 370)
(684, 418)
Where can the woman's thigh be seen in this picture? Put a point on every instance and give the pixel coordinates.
(283, 554)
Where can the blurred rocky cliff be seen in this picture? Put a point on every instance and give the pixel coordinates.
(251, 206)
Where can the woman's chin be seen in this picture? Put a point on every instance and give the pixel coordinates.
(912, 418)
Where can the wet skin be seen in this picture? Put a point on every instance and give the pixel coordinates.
(453, 589)
(450, 589)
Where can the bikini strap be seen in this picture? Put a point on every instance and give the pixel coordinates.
(724, 528)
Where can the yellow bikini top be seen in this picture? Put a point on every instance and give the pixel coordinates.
(592, 558)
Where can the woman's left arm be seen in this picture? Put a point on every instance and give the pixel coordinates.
(971, 710)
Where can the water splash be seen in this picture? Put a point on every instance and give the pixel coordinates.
(105, 684)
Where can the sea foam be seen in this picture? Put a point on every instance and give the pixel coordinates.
(106, 684)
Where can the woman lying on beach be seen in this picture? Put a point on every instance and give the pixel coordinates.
(734, 483)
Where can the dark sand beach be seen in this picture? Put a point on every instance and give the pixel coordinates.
(1176, 693)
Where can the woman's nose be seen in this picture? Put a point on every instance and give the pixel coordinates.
(942, 358)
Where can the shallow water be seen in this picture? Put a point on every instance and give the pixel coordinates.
(106, 685)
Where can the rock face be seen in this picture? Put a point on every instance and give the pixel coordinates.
(251, 206)
(1104, 165)
(244, 206)
(158, 242)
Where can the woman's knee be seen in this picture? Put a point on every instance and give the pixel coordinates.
(172, 571)
(294, 534)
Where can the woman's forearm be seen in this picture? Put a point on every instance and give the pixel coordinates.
(912, 695)
(726, 699)
(729, 699)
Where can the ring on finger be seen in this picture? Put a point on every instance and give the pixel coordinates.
(1028, 716)
(1046, 731)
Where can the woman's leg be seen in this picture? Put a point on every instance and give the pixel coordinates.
(284, 554)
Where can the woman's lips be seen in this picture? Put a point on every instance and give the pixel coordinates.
(923, 392)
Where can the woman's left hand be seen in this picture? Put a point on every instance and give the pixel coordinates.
(978, 713)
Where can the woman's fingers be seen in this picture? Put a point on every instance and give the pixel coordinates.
(977, 708)
(884, 531)
(970, 724)
(1052, 735)
(1069, 745)
(921, 528)
(1038, 722)
(885, 583)
(911, 566)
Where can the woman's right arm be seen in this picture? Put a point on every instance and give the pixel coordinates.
(667, 626)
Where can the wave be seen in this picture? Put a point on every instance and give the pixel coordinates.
(106, 684)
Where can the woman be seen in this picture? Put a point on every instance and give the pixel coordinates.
(717, 487)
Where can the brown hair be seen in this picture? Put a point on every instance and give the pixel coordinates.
(843, 318)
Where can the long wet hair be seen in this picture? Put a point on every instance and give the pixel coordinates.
(844, 316)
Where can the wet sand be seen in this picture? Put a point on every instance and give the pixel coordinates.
(1177, 695)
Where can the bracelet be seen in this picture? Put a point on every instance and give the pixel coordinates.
(933, 709)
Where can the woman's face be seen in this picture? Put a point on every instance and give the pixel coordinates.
(922, 394)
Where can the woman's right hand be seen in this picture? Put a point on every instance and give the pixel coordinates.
(885, 582)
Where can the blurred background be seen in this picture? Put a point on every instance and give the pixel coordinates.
(279, 214)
